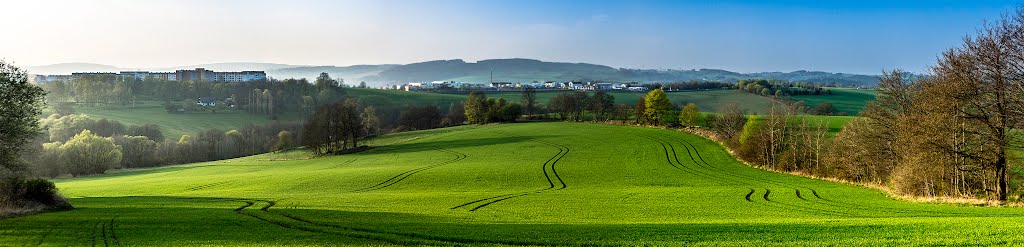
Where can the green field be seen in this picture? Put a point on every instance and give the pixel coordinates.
(505, 184)
(848, 100)
(709, 100)
(402, 98)
(174, 125)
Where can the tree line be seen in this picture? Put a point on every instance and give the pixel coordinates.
(77, 145)
(270, 97)
(21, 104)
(954, 131)
(951, 133)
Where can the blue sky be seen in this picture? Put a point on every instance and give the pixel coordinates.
(745, 36)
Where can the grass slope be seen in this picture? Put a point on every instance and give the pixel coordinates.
(512, 184)
(174, 125)
(848, 100)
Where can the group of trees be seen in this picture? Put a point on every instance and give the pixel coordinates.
(953, 132)
(479, 109)
(338, 127)
(78, 145)
(20, 105)
(577, 106)
(780, 88)
(269, 97)
(335, 127)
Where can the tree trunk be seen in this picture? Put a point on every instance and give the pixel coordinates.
(1001, 173)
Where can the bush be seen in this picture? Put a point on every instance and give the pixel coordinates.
(31, 194)
(40, 190)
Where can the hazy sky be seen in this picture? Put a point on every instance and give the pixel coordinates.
(745, 36)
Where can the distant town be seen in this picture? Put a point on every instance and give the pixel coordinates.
(198, 74)
(552, 85)
(201, 74)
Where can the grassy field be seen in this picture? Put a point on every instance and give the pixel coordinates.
(710, 100)
(177, 124)
(402, 98)
(174, 125)
(848, 100)
(506, 184)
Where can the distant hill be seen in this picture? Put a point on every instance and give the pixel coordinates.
(231, 66)
(68, 68)
(351, 74)
(525, 70)
(512, 70)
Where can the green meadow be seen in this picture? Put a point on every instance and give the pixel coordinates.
(848, 100)
(175, 125)
(707, 100)
(501, 184)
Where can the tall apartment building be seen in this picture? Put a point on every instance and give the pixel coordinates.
(201, 74)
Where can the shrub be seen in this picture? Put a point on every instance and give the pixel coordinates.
(40, 190)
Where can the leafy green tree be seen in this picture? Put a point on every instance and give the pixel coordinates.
(476, 107)
(49, 162)
(87, 153)
(657, 106)
(690, 115)
(151, 131)
(284, 140)
(20, 106)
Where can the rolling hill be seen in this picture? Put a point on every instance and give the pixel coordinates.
(505, 184)
(514, 69)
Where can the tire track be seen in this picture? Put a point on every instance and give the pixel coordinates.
(826, 203)
(113, 234)
(548, 165)
(823, 201)
(103, 232)
(394, 238)
(402, 176)
(340, 164)
(743, 179)
(207, 186)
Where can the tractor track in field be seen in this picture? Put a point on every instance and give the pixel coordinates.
(207, 186)
(739, 179)
(677, 165)
(103, 233)
(706, 165)
(395, 238)
(402, 176)
(340, 164)
(707, 174)
(821, 201)
(550, 163)
(706, 171)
